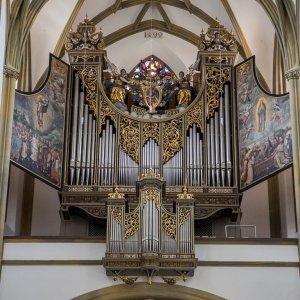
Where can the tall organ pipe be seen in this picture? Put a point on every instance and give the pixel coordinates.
(217, 145)
(222, 140)
(89, 144)
(93, 151)
(212, 153)
(208, 154)
(79, 144)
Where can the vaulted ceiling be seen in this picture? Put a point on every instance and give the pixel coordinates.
(124, 22)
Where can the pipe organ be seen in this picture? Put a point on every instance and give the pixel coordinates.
(122, 125)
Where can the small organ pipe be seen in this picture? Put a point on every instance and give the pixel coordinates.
(93, 151)
(208, 154)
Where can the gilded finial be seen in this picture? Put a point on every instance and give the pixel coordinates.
(116, 194)
(150, 174)
(185, 194)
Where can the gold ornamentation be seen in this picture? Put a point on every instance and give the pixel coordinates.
(151, 130)
(116, 194)
(117, 94)
(88, 76)
(184, 214)
(116, 213)
(185, 195)
(129, 137)
(85, 37)
(150, 174)
(148, 195)
(217, 38)
(152, 94)
(171, 280)
(171, 112)
(138, 110)
(215, 79)
(184, 97)
(169, 224)
(128, 280)
(194, 116)
(132, 223)
(172, 138)
(11, 72)
(107, 111)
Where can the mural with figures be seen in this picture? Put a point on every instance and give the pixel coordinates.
(264, 128)
(38, 126)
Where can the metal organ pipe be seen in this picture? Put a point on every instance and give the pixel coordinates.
(222, 140)
(208, 154)
(212, 145)
(88, 158)
(217, 147)
(93, 150)
(85, 132)
(79, 134)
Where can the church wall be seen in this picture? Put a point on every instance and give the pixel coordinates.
(255, 209)
(62, 281)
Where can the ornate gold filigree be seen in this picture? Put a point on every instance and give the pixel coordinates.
(88, 76)
(217, 38)
(116, 194)
(195, 116)
(85, 37)
(151, 130)
(106, 111)
(169, 224)
(116, 213)
(129, 137)
(172, 138)
(184, 214)
(117, 94)
(132, 224)
(184, 97)
(148, 195)
(129, 280)
(215, 79)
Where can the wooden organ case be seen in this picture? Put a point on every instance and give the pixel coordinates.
(110, 145)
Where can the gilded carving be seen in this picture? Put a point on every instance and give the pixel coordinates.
(172, 138)
(132, 224)
(215, 79)
(169, 224)
(106, 111)
(129, 137)
(184, 214)
(116, 213)
(148, 195)
(11, 72)
(89, 76)
(151, 130)
(194, 116)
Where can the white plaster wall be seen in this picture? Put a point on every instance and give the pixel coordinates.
(14, 202)
(45, 214)
(2, 44)
(255, 209)
(287, 204)
(67, 281)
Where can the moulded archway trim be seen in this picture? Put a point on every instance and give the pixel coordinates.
(143, 291)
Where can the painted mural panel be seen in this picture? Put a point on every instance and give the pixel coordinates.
(38, 126)
(264, 128)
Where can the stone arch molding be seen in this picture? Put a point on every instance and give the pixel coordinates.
(143, 291)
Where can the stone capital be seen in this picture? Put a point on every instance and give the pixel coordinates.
(293, 73)
(11, 72)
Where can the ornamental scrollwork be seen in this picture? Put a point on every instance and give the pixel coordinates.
(129, 137)
(215, 79)
(151, 130)
(132, 224)
(169, 224)
(116, 213)
(85, 37)
(184, 214)
(88, 76)
(172, 138)
(148, 195)
(106, 111)
(194, 116)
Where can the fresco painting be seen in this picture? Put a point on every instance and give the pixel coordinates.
(264, 128)
(38, 126)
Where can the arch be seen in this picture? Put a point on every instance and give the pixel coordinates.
(143, 291)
